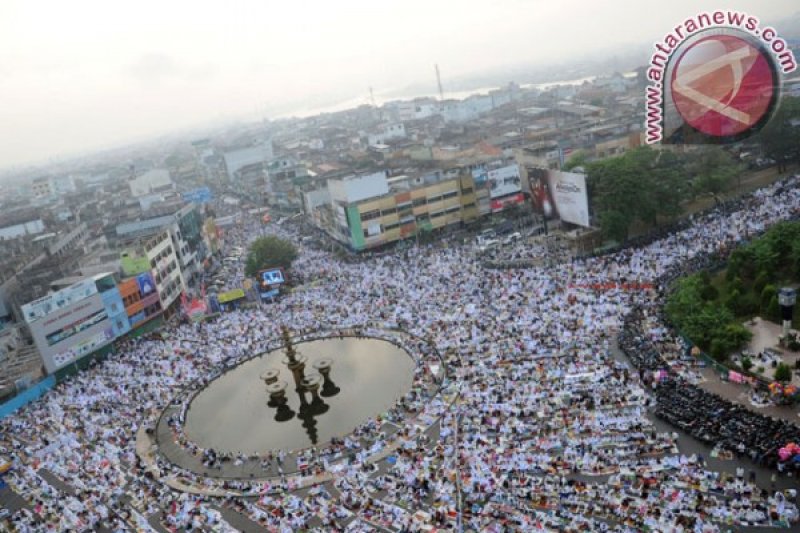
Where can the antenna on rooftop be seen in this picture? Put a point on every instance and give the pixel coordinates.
(439, 82)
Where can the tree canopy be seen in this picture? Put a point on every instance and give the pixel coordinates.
(711, 325)
(712, 315)
(645, 185)
(642, 185)
(780, 137)
(269, 251)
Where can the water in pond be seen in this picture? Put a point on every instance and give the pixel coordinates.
(231, 414)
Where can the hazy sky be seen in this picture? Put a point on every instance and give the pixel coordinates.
(78, 75)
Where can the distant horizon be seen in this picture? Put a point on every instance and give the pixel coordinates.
(84, 80)
(299, 114)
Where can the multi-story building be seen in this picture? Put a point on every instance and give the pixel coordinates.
(140, 298)
(42, 188)
(70, 324)
(253, 157)
(389, 132)
(148, 238)
(372, 210)
(161, 251)
(286, 180)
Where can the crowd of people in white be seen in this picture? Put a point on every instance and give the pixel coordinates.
(550, 431)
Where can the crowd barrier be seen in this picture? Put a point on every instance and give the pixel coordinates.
(25, 397)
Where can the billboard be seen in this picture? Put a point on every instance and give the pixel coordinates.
(560, 194)
(195, 308)
(270, 277)
(146, 284)
(501, 203)
(68, 330)
(481, 177)
(56, 301)
(225, 297)
(84, 347)
(504, 181)
(72, 332)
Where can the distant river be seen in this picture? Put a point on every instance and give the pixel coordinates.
(382, 98)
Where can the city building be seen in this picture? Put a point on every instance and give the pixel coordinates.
(10, 228)
(372, 210)
(140, 298)
(388, 132)
(42, 188)
(73, 323)
(163, 259)
(151, 182)
(251, 159)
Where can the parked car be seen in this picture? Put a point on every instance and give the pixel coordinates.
(514, 237)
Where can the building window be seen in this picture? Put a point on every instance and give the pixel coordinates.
(419, 201)
(370, 215)
(466, 190)
(451, 194)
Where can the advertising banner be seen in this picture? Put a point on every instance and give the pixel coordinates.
(501, 203)
(271, 277)
(196, 309)
(481, 177)
(83, 323)
(230, 296)
(504, 181)
(560, 194)
(145, 283)
(58, 300)
(82, 348)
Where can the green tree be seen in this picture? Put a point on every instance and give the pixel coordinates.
(615, 224)
(578, 158)
(733, 337)
(712, 170)
(643, 184)
(773, 309)
(761, 281)
(767, 294)
(269, 251)
(709, 293)
(747, 364)
(783, 373)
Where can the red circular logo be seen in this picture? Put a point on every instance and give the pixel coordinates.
(722, 85)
